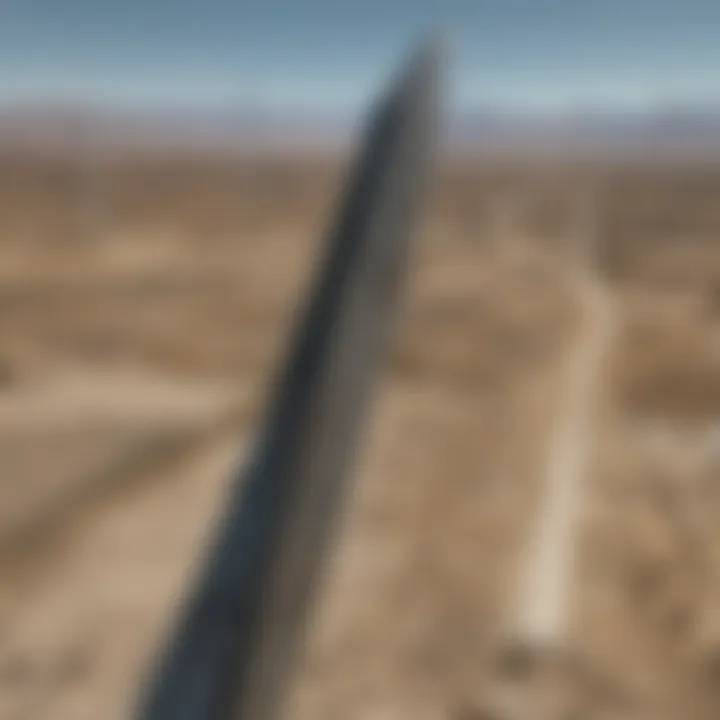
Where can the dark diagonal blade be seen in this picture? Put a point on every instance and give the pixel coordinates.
(232, 655)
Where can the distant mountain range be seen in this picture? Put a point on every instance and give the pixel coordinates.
(693, 130)
(653, 132)
(61, 128)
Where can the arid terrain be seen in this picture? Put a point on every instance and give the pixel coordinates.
(559, 335)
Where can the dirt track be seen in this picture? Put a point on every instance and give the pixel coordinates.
(79, 630)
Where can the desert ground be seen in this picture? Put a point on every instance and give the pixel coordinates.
(549, 413)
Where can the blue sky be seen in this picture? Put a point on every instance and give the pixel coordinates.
(330, 55)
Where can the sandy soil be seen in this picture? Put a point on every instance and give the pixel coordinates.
(194, 285)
